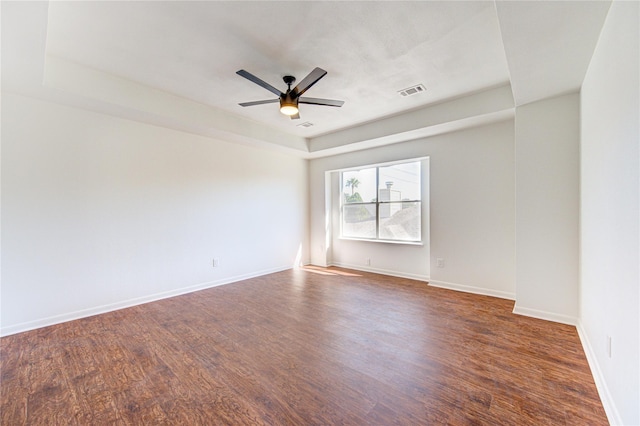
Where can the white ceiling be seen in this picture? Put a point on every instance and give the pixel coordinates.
(189, 52)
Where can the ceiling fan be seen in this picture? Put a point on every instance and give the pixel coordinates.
(292, 97)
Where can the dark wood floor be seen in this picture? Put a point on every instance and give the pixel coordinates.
(302, 347)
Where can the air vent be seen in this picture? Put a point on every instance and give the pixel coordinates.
(305, 124)
(413, 90)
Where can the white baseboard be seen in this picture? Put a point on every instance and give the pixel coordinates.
(605, 396)
(472, 289)
(398, 274)
(83, 313)
(549, 316)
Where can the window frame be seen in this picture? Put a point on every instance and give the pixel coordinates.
(377, 202)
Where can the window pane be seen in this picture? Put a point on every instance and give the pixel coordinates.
(382, 202)
(359, 220)
(400, 182)
(359, 186)
(400, 221)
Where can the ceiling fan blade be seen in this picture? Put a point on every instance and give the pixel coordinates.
(259, 82)
(316, 101)
(308, 81)
(295, 116)
(269, 101)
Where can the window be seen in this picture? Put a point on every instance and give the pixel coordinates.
(382, 203)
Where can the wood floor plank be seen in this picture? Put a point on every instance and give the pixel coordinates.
(310, 346)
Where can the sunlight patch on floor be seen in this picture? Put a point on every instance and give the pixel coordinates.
(324, 271)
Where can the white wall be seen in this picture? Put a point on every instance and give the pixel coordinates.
(547, 204)
(610, 214)
(100, 212)
(471, 212)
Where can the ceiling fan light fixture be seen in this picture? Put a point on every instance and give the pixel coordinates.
(288, 107)
(289, 100)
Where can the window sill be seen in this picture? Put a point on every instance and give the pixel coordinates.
(406, 243)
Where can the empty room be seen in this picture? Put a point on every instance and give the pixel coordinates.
(319, 212)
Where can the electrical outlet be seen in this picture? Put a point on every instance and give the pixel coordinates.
(367, 261)
(440, 262)
(216, 262)
(609, 346)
